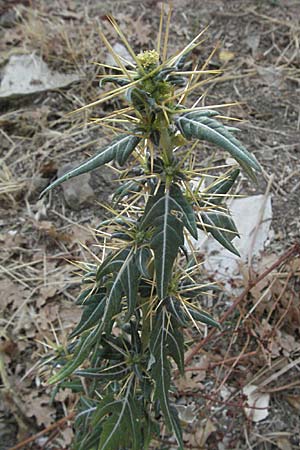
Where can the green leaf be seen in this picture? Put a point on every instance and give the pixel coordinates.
(130, 284)
(121, 423)
(82, 351)
(91, 314)
(167, 236)
(202, 316)
(86, 293)
(129, 187)
(161, 372)
(109, 373)
(124, 279)
(222, 228)
(181, 204)
(176, 344)
(195, 125)
(142, 261)
(140, 99)
(119, 149)
(115, 80)
(111, 264)
(185, 314)
(214, 193)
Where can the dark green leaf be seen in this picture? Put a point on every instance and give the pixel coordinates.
(182, 205)
(167, 236)
(129, 187)
(214, 193)
(140, 100)
(81, 353)
(202, 316)
(142, 260)
(110, 373)
(167, 211)
(161, 372)
(121, 423)
(92, 313)
(119, 149)
(115, 80)
(205, 128)
(222, 228)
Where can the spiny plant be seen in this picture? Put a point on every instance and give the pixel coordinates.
(139, 299)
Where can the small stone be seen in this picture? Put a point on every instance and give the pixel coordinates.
(35, 186)
(77, 191)
(122, 52)
(29, 74)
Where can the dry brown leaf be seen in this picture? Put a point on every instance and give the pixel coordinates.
(294, 401)
(81, 235)
(38, 407)
(193, 378)
(46, 292)
(283, 443)
(198, 439)
(142, 31)
(67, 435)
(70, 315)
(47, 315)
(12, 293)
(63, 395)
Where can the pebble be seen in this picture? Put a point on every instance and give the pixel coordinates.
(77, 192)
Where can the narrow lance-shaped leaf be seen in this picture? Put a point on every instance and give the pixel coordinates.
(116, 288)
(120, 421)
(142, 260)
(185, 314)
(119, 149)
(82, 351)
(161, 372)
(205, 128)
(182, 205)
(222, 228)
(167, 236)
(110, 373)
(90, 316)
(116, 80)
(214, 193)
(130, 284)
(176, 343)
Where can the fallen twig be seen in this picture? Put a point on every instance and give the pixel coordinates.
(55, 425)
(294, 250)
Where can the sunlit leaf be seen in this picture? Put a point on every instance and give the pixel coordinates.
(222, 228)
(119, 149)
(167, 236)
(215, 192)
(195, 125)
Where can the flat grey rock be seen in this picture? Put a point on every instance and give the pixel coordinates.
(77, 191)
(29, 74)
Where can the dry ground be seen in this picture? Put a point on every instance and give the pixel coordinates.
(258, 48)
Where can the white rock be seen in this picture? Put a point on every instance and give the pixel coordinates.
(77, 191)
(252, 216)
(27, 74)
(122, 52)
(255, 400)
